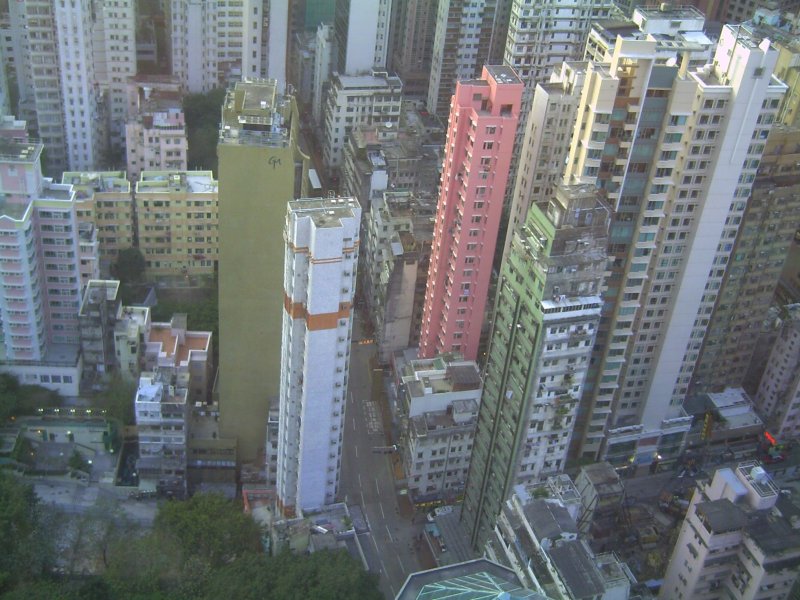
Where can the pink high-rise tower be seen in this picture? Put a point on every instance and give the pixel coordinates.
(480, 139)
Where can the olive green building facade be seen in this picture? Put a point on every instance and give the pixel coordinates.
(261, 168)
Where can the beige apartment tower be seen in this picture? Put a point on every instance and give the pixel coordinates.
(261, 168)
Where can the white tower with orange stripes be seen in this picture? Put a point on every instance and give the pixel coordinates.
(319, 283)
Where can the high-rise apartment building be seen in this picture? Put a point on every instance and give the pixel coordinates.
(541, 37)
(114, 49)
(52, 47)
(480, 137)
(413, 25)
(734, 542)
(214, 43)
(675, 150)
(319, 284)
(461, 44)
(546, 318)
(546, 143)
(766, 231)
(361, 30)
(41, 271)
(155, 131)
(178, 222)
(261, 168)
(323, 66)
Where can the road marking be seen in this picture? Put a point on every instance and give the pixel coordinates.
(375, 544)
(359, 483)
(356, 447)
(377, 489)
(391, 539)
(402, 569)
(362, 503)
(354, 423)
(382, 514)
(383, 566)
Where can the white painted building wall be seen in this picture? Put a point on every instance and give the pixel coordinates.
(319, 284)
(741, 78)
(277, 41)
(82, 105)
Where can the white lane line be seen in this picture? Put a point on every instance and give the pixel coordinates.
(354, 423)
(391, 539)
(362, 503)
(359, 483)
(356, 447)
(377, 489)
(383, 566)
(382, 514)
(372, 537)
(402, 569)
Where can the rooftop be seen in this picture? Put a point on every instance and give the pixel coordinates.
(665, 10)
(479, 579)
(549, 519)
(325, 212)
(98, 290)
(721, 516)
(13, 150)
(604, 478)
(376, 81)
(754, 475)
(97, 181)
(171, 344)
(167, 182)
(503, 74)
(577, 569)
(253, 113)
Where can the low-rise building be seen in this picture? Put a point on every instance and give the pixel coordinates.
(172, 346)
(438, 403)
(602, 494)
(723, 418)
(178, 222)
(354, 100)
(104, 201)
(130, 331)
(540, 541)
(735, 542)
(406, 156)
(162, 420)
(99, 312)
(177, 366)
(397, 253)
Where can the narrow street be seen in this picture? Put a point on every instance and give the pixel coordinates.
(367, 481)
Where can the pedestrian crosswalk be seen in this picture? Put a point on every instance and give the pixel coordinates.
(372, 416)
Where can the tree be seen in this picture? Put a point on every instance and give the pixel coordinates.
(202, 113)
(117, 400)
(17, 400)
(25, 549)
(326, 575)
(130, 265)
(209, 528)
(77, 462)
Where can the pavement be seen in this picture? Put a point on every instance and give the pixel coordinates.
(391, 547)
